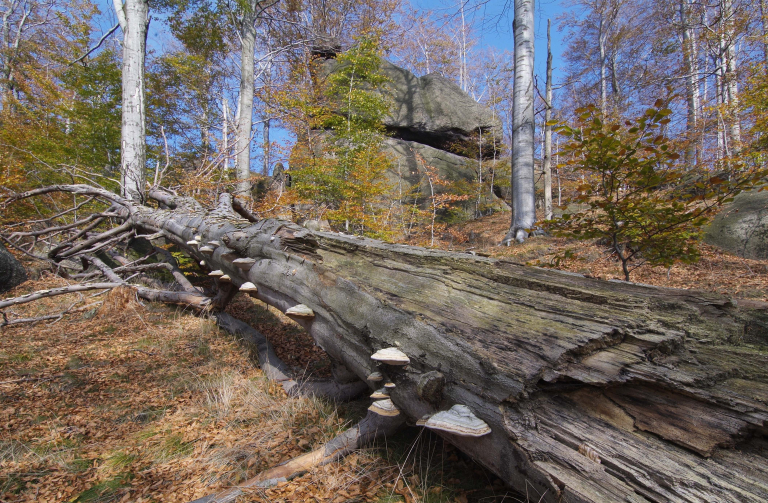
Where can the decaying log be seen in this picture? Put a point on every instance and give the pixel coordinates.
(372, 426)
(593, 390)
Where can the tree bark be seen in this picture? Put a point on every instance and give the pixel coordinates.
(245, 103)
(731, 83)
(667, 389)
(547, 168)
(266, 147)
(133, 17)
(691, 69)
(523, 189)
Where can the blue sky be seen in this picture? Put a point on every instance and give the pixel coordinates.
(494, 24)
(492, 21)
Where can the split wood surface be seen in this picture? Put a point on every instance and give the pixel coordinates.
(594, 391)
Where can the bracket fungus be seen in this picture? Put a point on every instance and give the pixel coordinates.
(249, 288)
(384, 408)
(206, 249)
(391, 356)
(225, 278)
(375, 377)
(202, 263)
(300, 311)
(244, 264)
(216, 273)
(215, 244)
(389, 386)
(380, 394)
(460, 421)
(193, 243)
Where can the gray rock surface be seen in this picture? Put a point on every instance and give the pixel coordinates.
(408, 172)
(431, 110)
(12, 273)
(742, 226)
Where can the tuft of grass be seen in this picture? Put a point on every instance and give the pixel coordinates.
(172, 447)
(19, 358)
(119, 460)
(79, 465)
(105, 491)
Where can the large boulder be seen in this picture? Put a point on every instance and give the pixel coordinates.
(11, 271)
(432, 110)
(742, 226)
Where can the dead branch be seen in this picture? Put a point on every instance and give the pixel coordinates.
(372, 426)
(41, 294)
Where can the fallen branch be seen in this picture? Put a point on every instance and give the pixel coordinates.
(41, 294)
(372, 426)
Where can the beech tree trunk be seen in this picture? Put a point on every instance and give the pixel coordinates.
(523, 190)
(245, 102)
(547, 168)
(133, 17)
(595, 391)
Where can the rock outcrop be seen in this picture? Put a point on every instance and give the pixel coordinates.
(433, 110)
(742, 226)
(431, 120)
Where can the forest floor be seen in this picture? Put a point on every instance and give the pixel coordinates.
(716, 271)
(121, 401)
(129, 402)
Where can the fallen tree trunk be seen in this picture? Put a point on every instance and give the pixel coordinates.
(593, 390)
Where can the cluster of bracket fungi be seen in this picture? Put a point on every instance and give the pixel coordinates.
(458, 420)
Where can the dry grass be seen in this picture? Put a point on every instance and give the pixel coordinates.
(132, 402)
(138, 403)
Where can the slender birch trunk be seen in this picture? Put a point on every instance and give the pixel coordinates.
(764, 19)
(133, 17)
(731, 86)
(245, 103)
(603, 86)
(548, 131)
(265, 168)
(691, 68)
(523, 190)
(225, 135)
